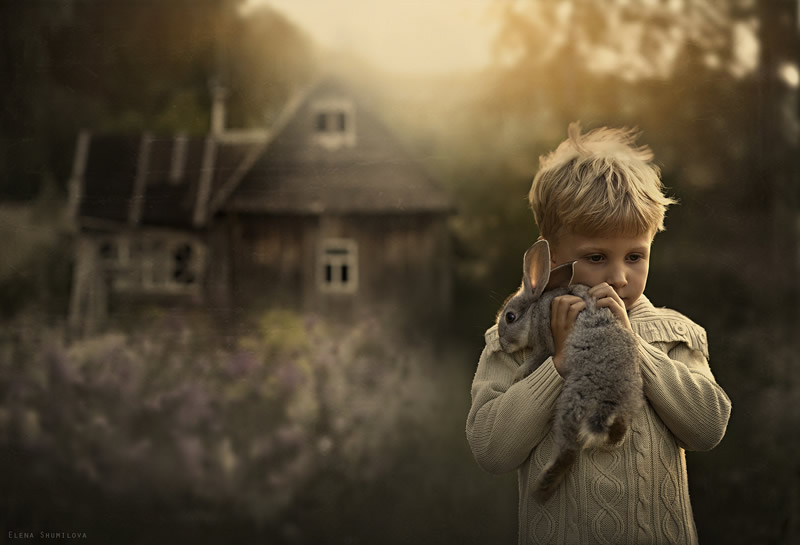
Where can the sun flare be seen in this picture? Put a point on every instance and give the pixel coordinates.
(413, 36)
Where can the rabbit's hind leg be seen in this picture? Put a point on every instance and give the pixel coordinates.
(617, 430)
(602, 426)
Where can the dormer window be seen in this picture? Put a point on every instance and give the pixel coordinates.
(334, 123)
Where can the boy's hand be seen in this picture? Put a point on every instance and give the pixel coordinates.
(608, 298)
(563, 313)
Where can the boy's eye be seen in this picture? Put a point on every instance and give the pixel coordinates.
(634, 257)
(597, 258)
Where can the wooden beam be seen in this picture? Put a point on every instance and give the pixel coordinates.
(75, 184)
(201, 204)
(137, 199)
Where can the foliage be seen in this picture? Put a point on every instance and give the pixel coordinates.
(297, 413)
(166, 414)
(267, 60)
(133, 65)
(725, 138)
(34, 259)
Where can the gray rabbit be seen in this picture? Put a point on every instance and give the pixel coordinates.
(603, 386)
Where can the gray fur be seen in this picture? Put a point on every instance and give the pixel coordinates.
(603, 388)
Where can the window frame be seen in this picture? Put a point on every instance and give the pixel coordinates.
(337, 258)
(147, 263)
(333, 123)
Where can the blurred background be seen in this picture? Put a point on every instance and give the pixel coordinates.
(250, 248)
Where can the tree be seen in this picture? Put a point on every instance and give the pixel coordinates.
(132, 65)
(778, 134)
(24, 65)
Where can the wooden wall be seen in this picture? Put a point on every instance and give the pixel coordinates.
(403, 264)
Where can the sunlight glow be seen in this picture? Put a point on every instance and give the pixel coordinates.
(412, 36)
(789, 74)
(745, 49)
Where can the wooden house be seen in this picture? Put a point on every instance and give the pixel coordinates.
(324, 212)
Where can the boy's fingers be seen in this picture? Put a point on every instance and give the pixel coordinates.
(601, 290)
(609, 302)
(566, 300)
(593, 291)
(560, 306)
(616, 308)
(565, 309)
(575, 309)
(604, 290)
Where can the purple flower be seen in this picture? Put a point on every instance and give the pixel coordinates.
(61, 369)
(192, 452)
(241, 363)
(195, 405)
(290, 437)
(290, 377)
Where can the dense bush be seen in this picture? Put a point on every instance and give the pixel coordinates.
(167, 416)
(35, 259)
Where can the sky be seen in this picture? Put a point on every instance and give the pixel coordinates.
(425, 37)
(405, 36)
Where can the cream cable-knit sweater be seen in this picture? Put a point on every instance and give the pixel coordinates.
(634, 493)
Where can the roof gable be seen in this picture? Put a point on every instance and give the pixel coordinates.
(180, 182)
(297, 173)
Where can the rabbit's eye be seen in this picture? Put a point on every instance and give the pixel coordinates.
(510, 317)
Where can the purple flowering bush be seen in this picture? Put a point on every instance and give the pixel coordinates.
(169, 413)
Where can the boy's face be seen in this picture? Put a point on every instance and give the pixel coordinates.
(621, 261)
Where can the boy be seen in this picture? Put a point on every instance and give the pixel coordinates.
(598, 201)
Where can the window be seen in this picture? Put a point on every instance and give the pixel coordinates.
(154, 263)
(338, 266)
(322, 122)
(334, 123)
(183, 271)
(108, 251)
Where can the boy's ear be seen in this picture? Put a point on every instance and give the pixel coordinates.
(561, 276)
(536, 268)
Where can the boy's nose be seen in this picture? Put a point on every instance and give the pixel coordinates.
(617, 278)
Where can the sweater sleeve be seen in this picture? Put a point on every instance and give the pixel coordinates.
(683, 392)
(508, 419)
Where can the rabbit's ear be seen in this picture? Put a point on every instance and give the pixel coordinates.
(536, 268)
(561, 276)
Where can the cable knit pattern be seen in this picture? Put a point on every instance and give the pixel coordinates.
(543, 523)
(668, 492)
(641, 441)
(634, 492)
(607, 491)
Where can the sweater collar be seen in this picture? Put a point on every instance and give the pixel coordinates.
(640, 308)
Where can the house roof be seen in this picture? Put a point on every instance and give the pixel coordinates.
(155, 180)
(375, 174)
(179, 182)
(354, 187)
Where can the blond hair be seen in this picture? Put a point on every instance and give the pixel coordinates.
(598, 183)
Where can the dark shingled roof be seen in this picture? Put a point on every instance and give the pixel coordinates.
(169, 202)
(384, 186)
(376, 175)
(112, 168)
(109, 176)
(286, 174)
